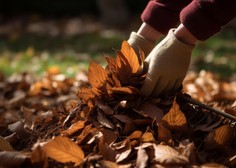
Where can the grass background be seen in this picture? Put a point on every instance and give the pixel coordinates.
(22, 50)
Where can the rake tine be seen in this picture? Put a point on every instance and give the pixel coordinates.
(227, 116)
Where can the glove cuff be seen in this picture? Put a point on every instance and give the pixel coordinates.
(176, 43)
(139, 42)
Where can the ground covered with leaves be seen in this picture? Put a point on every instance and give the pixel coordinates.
(101, 119)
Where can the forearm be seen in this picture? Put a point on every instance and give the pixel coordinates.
(148, 32)
(184, 35)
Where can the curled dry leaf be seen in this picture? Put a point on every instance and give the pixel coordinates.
(123, 152)
(168, 156)
(102, 119)
(63, 150)
(142, 158)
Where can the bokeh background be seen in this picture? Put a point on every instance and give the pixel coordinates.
(38, 35)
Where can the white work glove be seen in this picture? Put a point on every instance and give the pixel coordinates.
(139, 42)
(167, 64)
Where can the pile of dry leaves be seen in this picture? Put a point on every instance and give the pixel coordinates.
(107, 122)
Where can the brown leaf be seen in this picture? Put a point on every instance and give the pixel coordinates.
(85, 93)
(18, 128)
(189, 150)
(106, 151)
(152, 111)
(169, 156)
(97, 75)
(102, 119)
(175, 120)
(147, 137)
(73, 128)
(126, 90)
(221, 136)
(87, 129)
(12, 158)
(105, 108)
(109, 136)
(5, 145)
(63, 150)
(38, 156)
(123, 152)
(108, 164)
(212, 165)
(135, 135)
(164, 135)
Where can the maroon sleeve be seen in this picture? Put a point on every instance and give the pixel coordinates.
(204, 18)
(163, 14)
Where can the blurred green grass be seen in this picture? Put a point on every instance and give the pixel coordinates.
(36, 53)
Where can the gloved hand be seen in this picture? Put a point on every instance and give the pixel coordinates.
(167, 65)
(139, 42)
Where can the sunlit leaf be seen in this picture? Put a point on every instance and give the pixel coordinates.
(175, 120)
(147, 137)
(63, 150)
(97, 75)
(130, 56)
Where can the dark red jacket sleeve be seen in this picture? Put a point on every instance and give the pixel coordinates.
(203, 18)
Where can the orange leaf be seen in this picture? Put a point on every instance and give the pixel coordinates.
(123, 68)
(85, 93)
(130, 56)
(126, 90)
(74, 128)
(63, 150)
(111, 64)
(219, 137)
(147, 137)
(38, 156)
(175, 119)
(97, 75)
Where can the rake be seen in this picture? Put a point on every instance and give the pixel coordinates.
(202, 114)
